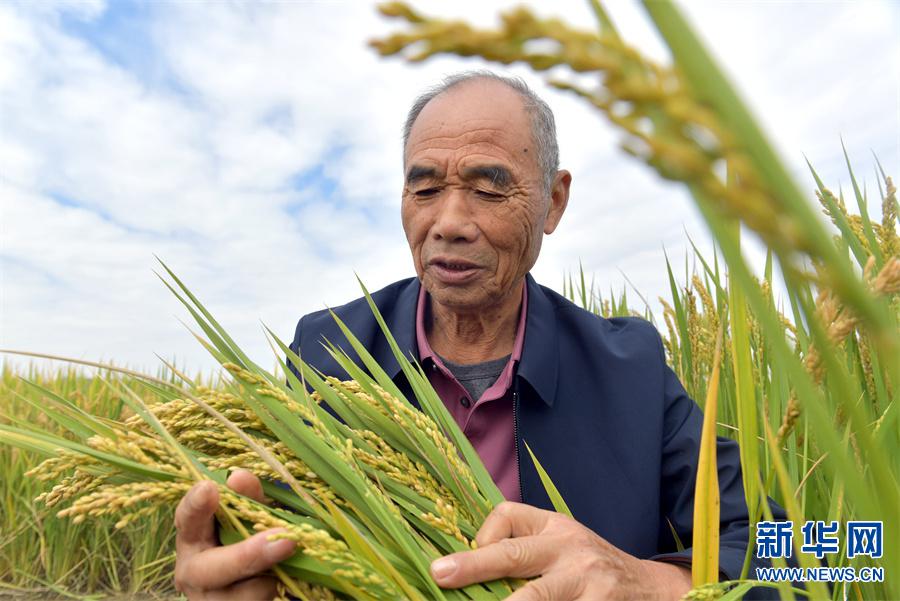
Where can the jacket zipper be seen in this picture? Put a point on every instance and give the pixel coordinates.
(516, 434)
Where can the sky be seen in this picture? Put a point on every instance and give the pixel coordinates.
(255, 148)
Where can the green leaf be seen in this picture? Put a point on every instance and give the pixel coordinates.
(558, 503)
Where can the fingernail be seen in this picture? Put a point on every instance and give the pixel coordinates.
(195, 499)
(441, 568)
(278, 549)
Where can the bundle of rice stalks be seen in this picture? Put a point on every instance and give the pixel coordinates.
(371, 488)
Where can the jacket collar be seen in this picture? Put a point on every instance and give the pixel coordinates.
(539, 365)
(540, 356)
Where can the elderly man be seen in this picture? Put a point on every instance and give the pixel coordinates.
(513, 362)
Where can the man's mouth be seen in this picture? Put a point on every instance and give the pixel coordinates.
(451, 270)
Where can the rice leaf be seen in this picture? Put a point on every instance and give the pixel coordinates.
(705, 564)
(559, 503)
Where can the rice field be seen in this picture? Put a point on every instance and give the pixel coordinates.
(41, 554)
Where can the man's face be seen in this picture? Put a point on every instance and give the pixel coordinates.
(474, 205)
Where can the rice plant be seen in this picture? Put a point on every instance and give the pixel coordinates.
(372, 489)
(807, 383)
(41, 554)
(701, 301)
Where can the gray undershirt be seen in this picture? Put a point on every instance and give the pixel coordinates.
(477, 377)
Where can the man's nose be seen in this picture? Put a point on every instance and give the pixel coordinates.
(454, 221)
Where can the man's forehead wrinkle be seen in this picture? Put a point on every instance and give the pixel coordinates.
(438, 149)
(483, 134)
(456, 125)
(454, 158)
(448, 147)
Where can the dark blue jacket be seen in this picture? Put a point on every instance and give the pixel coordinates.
(600, 408)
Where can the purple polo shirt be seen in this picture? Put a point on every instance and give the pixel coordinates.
(488, 421)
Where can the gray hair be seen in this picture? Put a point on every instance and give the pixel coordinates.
(543, 125)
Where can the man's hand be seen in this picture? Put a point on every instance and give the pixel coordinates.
(520, 541)
(205, 570)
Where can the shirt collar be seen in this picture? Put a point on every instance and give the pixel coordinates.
(539, 364)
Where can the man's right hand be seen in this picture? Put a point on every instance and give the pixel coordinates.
(206, 570)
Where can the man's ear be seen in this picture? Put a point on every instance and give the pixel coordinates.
(559, 199)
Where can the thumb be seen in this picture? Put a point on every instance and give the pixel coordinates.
(194, 517)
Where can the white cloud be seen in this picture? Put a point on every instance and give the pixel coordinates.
(198, 152)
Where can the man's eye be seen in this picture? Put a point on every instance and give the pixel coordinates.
(426, 192)
(488, 195)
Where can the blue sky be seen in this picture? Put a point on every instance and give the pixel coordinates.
(255, 148)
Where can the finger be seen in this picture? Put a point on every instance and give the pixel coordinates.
(522, 557)
(510, 520)
(245, 483)
(220, 567)
(557, 586)
(194, 518)
(254, 589)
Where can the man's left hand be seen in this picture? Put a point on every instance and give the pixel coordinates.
(572, 562)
